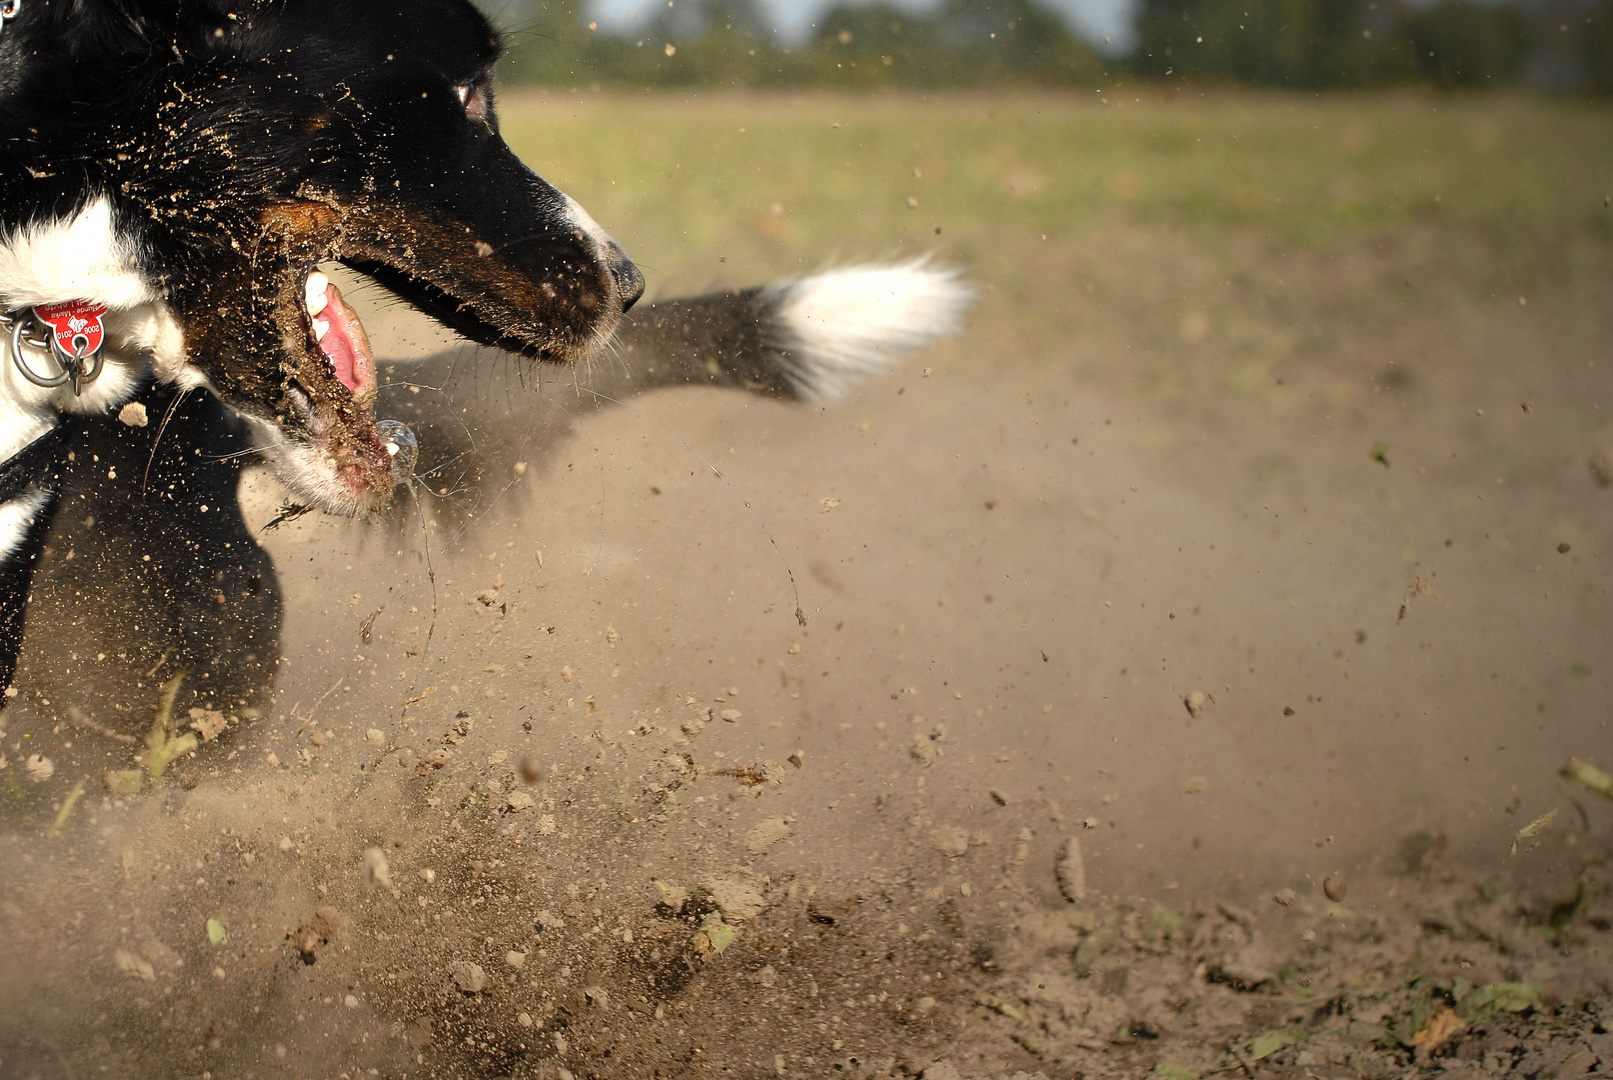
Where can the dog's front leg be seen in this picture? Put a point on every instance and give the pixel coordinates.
(28, 502)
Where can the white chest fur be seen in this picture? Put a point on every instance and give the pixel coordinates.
(84, 257)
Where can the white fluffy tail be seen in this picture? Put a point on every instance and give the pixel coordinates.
(842, 325)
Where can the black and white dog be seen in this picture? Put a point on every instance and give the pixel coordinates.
(173, 173)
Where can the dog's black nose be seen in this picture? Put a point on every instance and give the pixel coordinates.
(629, 281)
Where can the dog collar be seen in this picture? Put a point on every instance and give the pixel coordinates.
(72, 336)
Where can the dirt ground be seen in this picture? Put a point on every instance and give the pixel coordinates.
(1191, 646)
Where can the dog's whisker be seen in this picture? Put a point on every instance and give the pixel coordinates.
(431, 571)
(173, 406)
(251, 451)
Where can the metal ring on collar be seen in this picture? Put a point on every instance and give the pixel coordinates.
(74, 365)
(49, 382)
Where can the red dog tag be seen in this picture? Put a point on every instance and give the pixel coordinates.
(72, 320)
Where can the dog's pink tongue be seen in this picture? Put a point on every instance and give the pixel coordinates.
(346, 345)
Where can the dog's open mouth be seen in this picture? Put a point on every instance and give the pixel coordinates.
(338, 336)
(333, 392)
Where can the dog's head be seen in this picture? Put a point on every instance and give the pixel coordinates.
(231, 147)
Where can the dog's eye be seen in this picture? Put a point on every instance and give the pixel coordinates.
(474, 98)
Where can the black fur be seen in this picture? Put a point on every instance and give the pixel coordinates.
(240, 144)
(149, 564)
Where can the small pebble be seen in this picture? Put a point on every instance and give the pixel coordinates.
(376, 870)
(39, 767)
(530, 769)
(350, 1001)
(998, 797)
(737, 898)
(285, 843)
(1286, 898)
(951, 840)
(1601, 467)
(524, 1019)
(1071, 871)
(133, 964)
(470, 978)
(515, 959)
(1335, 887)
(767, 833)
(375, 737)
(733, 716)
(428, 875)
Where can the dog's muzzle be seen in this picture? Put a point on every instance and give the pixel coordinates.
(628, 278)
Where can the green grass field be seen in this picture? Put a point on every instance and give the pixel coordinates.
(681, 178)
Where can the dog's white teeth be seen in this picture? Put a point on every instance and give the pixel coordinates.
(321, 328)
(314, 297)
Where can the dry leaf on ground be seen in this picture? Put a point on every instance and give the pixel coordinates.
(1442, 1027)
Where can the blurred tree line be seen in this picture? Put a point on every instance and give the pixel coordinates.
(1551, 44)
(727, 43)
